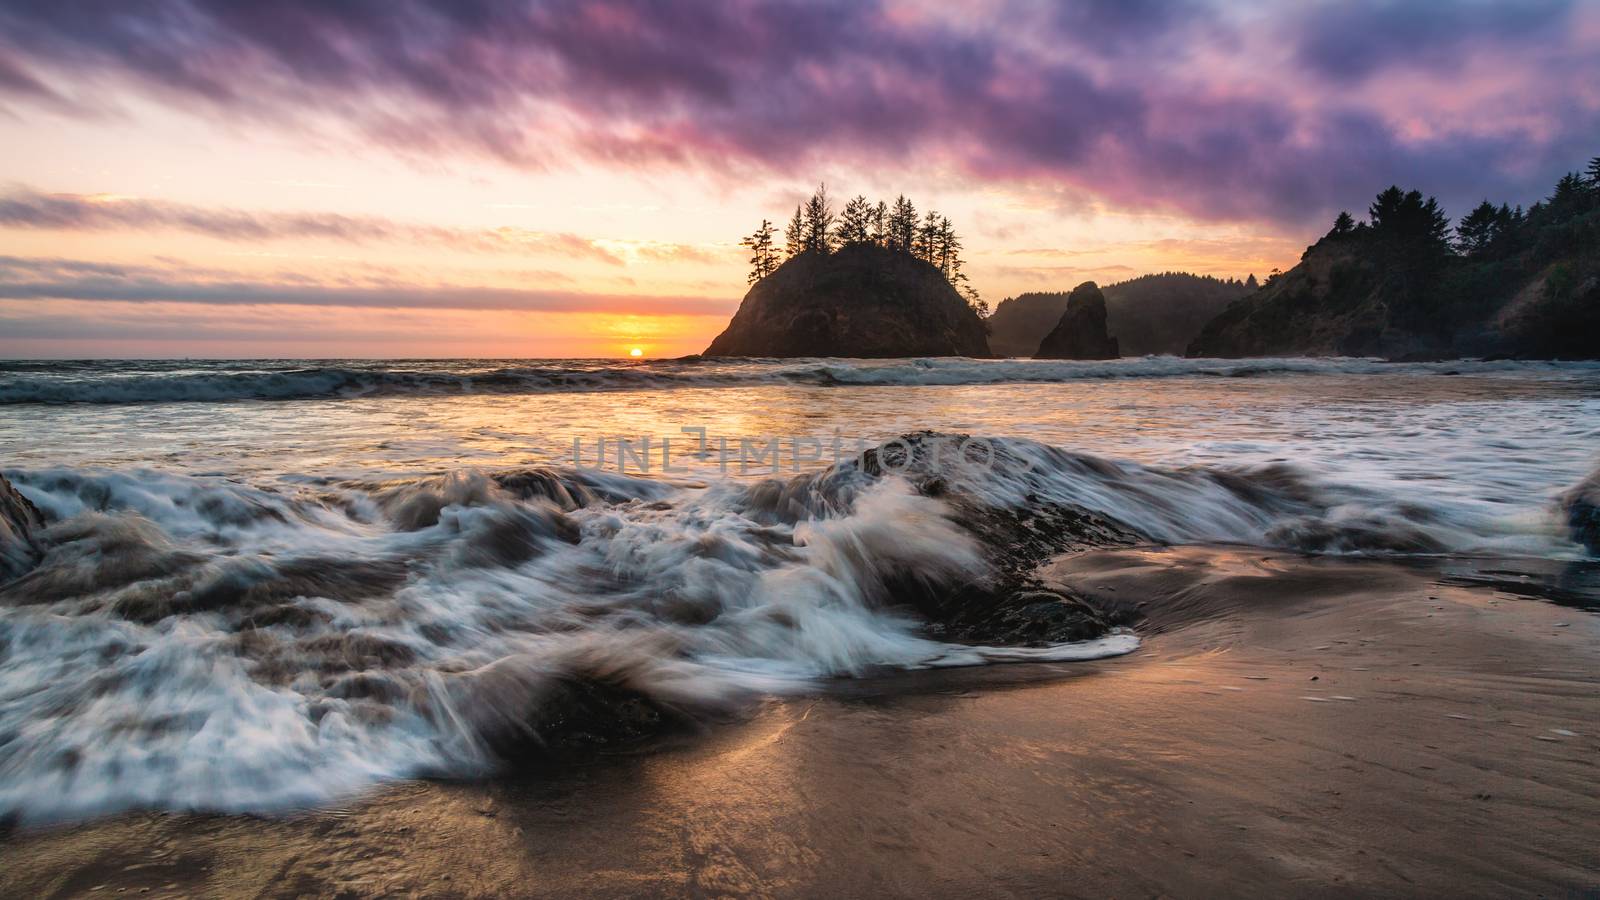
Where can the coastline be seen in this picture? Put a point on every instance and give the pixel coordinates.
(1290, 725)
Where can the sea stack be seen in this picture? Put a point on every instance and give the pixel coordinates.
(19, 520)
(1081, 333)
(859, 301)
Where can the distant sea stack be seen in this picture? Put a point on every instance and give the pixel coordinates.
(861, 300)
(1150, 315)
(1081, 333)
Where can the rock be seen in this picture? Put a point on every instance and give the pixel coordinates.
(1582, 505)
(859, 301)
(1081, 333)
(1020, 322)
(1150, 315)
(20, 521)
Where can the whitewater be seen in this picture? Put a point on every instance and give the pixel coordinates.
(272, 584)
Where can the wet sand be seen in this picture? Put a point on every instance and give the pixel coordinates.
(1291, 726)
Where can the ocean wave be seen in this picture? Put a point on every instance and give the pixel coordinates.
(202, 643)
(133, 382)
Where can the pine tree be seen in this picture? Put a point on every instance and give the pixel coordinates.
(1409, 225)
(1386, 208)
(763, 254)
(1250, 284)
(1479, 229)
(1342, 225)
(880, 224)
(855, 223)
(902, 228)
(1594, 173)
(1571, 196)
(948, 255)
(818, 230)
(925, 244)
(794, 236)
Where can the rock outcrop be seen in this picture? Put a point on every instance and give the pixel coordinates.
(859, 301)
(1582, 505)
(19, 522)
(1081, 333)
(1150, 315)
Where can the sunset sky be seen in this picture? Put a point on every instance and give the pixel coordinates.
(572, 178)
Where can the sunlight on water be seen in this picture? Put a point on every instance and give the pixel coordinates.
(253, 603)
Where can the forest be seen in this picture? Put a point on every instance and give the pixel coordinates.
(817, 228)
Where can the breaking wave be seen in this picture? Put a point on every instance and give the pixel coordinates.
(161, 382)
(201, 643)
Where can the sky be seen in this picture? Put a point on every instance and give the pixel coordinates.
(391, 178)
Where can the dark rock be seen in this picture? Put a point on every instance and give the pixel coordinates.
(1009, 605)
(1582, 505)
(860, 301)
(1081, 333)
(20, 523)
(1150, 315)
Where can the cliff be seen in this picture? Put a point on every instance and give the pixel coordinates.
(859, 301)
(1528, 288)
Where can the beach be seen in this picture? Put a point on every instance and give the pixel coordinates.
(1289, 724)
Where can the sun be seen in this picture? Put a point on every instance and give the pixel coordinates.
(636, 352)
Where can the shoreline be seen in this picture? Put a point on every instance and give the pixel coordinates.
(1290, 725)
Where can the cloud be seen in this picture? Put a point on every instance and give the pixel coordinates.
(1279, 113)
(1357, 39)
(33, 278)
(24, 208)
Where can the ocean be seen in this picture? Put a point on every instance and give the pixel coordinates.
(274, 584)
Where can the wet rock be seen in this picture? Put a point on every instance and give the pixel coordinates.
(20, 523)
(1024, 616)
(1582, 505)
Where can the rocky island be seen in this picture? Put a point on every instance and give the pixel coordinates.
(859, 301)
(870, 282)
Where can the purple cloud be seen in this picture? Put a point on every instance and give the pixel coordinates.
(23, 208)
(33, 278)
(1279, 114)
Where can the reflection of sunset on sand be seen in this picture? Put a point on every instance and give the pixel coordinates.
(1201, 763)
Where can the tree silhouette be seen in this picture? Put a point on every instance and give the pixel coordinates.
(1410, 225)
(794, 236)
(1478, 229)
(818, 235)
(925, 244)
(855, 223)
(1250, 284)
(1594, 173)
(902, 228)
(1342, 225)
(815, 229)
(1571, 196)
(763, 254)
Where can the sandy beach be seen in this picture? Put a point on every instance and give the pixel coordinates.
(1290, 726)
